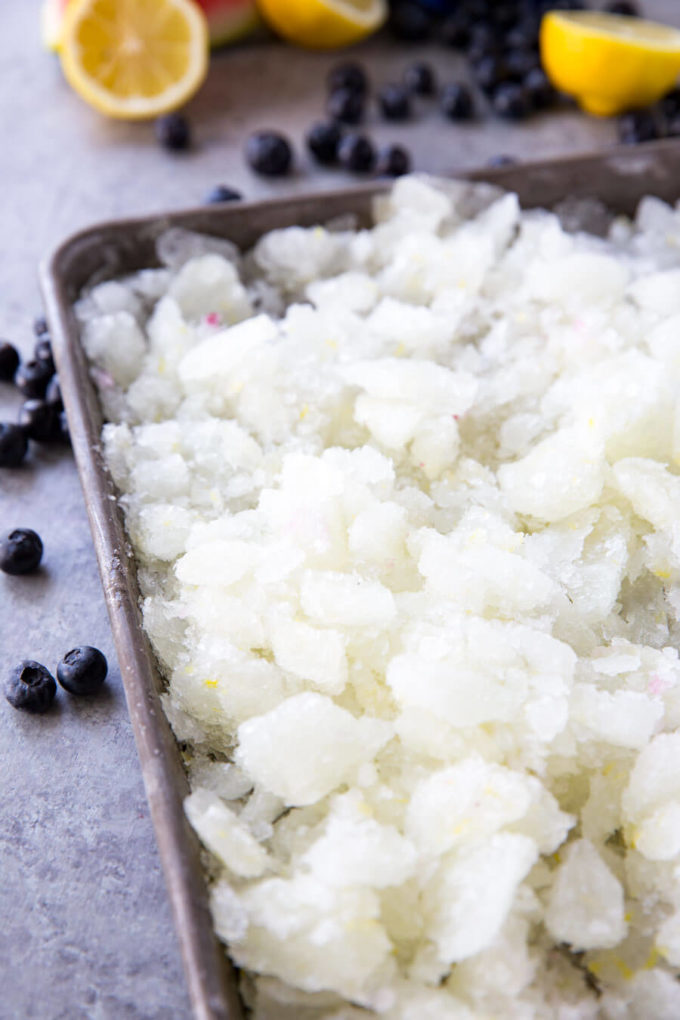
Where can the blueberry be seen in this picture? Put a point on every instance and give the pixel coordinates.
(269, 153)
(53, 394)
(410, 23)
(348, 76)
(637, 126)
(30, 686)
(82, 670)
(43, 352)
(33, 377)
(673, 126)
(489, 73)
(670, 104)
(455, 31)
(38, 419)
(539, 90)
(40, 326)
(356, 153)
(20, 551)
(393, 161)
(518, 63)
(622, 7)
(420, 79)
(501, 160)
(511, 101)
(222, 193)
(9, 361)
(456, 101)
(63, 433)
(524, 36)
(346, 106)
(323, 140)
(395, 102)
(173, 132)
(13, 444)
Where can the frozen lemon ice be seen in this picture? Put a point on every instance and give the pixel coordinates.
(405, 505)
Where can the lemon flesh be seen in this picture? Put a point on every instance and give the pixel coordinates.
(610, 63)
(324, 24)
(134, 59)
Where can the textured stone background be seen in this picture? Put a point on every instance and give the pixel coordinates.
(86, 930)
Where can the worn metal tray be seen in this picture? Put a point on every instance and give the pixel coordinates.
(619, 178)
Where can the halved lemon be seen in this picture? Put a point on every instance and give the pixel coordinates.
(134, 59)
(610, 63)
(324, 24)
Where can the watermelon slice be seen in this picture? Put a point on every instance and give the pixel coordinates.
(228, 20)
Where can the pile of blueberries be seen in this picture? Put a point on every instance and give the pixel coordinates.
(41, 418)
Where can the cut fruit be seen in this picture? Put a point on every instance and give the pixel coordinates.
(609, 62)
(230, 20)
(134, 59)
(324, 24)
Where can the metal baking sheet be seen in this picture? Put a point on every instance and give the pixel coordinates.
(618, 178)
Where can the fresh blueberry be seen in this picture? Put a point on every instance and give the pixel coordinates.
(524, 36)
(483, 36)
(20, 551)
(670, 104)
(673, 126)
(511, 101)
(13, 444)
(173, 132)
(63, 432)
(348, 76)
(40, 326)
(456, 101)
(30, 686)
(323, 140)
(38, 419)
(393, 161)
(395, 102)
(43, 352)
(346, 106)
(637, 126)
(489, 73)
(518, 63)
(269, 153)
(82, 670)
(356, 153)
(410, 23)
(539, 90)
(53, 394)
(32, 378)
(420, 79)
(222, 193)
(501, 160)
(622, 7)
(9, 361)
(455, 31)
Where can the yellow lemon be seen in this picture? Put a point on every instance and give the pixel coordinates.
(608, 62)
(134, 59)
(324, 24)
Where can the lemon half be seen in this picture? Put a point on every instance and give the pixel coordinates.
(610, 63)
(134, 59)
(324, 24)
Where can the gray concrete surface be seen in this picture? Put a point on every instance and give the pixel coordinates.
(85, 929)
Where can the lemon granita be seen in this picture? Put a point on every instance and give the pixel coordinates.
(405, 504)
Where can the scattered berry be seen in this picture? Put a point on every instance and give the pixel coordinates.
(539, 90)
(43, 352)
(269, 153)
(511, 101)
(637, 126)
(489, 73)
(455, 31)
(40, 326)
(82, 670)
(356, 153)
(420, 79)
(393, 161)
(20, 551)
(222, 193)
(345, 105)
(456, 101)
(13, 444)
(38, 419)
(395, 102)
(519, 63)
(33, 377)
(53, 394)
(348, 76)
(410, 23)
(670, 104)
(63, 433)
(323, 140)
(30, 686)
(173, 132)
(622, 7)
(9, 361)
(501, 160)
